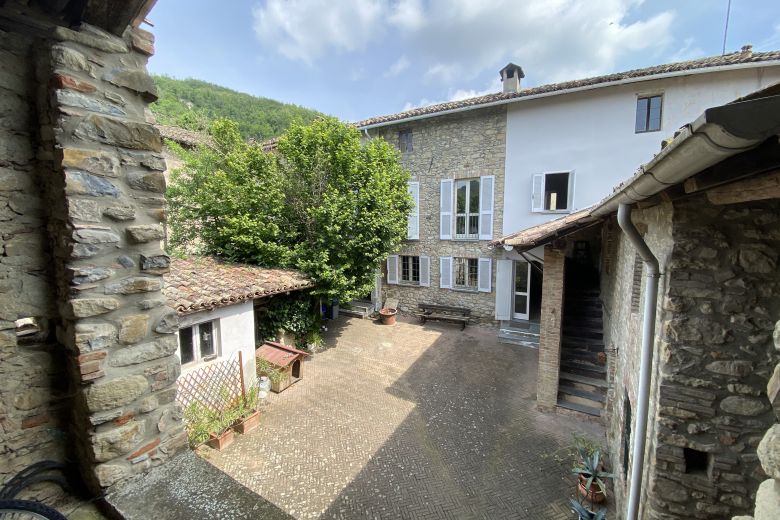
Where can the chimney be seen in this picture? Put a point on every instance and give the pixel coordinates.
(510, 77)
(747, 48)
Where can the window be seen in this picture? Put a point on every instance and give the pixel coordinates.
(467, 208)
(410, 269)
(198, 342)
(696, 462)
(405, 141)
(552, 192)
(648, 114)
(466, 273)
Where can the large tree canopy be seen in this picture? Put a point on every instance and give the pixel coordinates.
(324, 202)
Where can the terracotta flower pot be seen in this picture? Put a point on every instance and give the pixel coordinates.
(388, 316)
(248, 423)
(594, 494)
(222, 441)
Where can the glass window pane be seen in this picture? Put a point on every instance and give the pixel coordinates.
(521, 304)
(521, 277)
(474, 196)
(186, 349)
(641, 114)
(654, 120)
(206, 336)
(473, 267)
(415, 268)
(460, 225)
(460, 272)
(461, 197)
(474, 225)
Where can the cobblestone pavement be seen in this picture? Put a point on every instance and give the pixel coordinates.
(409, 421)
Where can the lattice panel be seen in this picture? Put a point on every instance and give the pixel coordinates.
(215, 386)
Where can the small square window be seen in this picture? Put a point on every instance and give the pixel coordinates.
(466, 272)
(410, 269)
(198, 342)
(405, 141)
(648, 114)
(556, 191)
(186, 345)
(696, 462)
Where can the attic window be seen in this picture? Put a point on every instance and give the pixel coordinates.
(648, 114)
(405, 141)
(696, 462)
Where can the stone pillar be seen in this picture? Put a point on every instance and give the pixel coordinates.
(105, 184)
(550, 328)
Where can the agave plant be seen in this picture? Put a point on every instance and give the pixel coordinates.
(586, 514)
(590, 469)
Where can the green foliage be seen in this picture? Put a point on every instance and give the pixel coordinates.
(193, 104)
(265, 368)
(295, 313)
(248, 404)
(590, 468)
(201, 421)
(325, 203)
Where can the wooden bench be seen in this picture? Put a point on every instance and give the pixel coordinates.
(444, 313)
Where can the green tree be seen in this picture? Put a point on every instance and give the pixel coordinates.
(326, 203)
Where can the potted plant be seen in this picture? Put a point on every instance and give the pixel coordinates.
(249, 416)
(387, 316)
(220, 431)
(591, 476)
(586, 514)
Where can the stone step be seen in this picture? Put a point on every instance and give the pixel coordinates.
(582, 332)
(359, 310)
(589, 344)
(589, 410)
(591, 322)
(518, 337)
(577, 366)
(583, 380)
(583, 312)
(594, 397)
(579, 355)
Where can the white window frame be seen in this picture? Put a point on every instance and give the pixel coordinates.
(411, 281)
(468, 260)
(538, 193)
(196, 343)
(470, 213)
(648, 96)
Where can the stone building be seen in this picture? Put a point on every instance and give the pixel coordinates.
(89, 361)
(533, 154)
(707, 207)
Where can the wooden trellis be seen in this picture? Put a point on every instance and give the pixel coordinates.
(216, 386)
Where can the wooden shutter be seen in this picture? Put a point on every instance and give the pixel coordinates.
(425, 271)
(486, 186)
(414, 216)
(445, 272)
(570, 202)
(504, 286)
(537, 193)
(445, 205)
(485, 274)
(392, 269)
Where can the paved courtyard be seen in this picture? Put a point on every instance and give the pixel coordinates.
(409, 421)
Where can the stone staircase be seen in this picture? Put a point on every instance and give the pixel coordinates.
(582, 383)
(524, 333)
(358, 309)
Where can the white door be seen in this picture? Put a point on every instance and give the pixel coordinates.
(522, 279)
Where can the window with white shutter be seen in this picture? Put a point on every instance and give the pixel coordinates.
(445, 272)
(392, 269)
(414, 216)
(537, 193)
(445, 217)
(485, 274)
(487, 184)
(425, 271)
(504, 289)
(552, 192)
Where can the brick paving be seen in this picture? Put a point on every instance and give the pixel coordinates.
(418, 422)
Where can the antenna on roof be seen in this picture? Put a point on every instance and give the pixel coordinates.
(726, 28)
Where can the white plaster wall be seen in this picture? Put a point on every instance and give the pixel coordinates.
(592, 133)
(236, 331)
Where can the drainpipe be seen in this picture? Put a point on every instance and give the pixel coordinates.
(646, 358)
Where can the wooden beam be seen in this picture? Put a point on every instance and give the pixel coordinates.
(763, 187)
(766, 157)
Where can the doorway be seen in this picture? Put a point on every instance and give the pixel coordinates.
(520, 299)
(296, 369)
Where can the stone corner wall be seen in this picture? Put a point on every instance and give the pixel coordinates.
(550, 328)
(81, 204)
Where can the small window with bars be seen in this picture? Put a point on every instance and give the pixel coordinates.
(198, 342)
(466, 272)
(410, 269)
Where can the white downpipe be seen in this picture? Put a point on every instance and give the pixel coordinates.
(646, 357)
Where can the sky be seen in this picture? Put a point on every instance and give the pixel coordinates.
(361, 58)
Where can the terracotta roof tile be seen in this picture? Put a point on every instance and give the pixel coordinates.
(206, 283)
(186, 138)
(548, 231)
(735, 58)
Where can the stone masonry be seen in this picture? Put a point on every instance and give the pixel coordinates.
(550, 328)
(81, 197)
(456, 146)
(713, 355)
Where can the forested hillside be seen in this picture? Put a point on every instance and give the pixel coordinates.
(192, 104)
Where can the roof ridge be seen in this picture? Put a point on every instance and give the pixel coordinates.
(733, 58)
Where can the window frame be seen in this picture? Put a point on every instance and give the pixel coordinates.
(406, 140)
(649, 98)
(456, 260)
(570, 192)
(198, 357)
(409, 268)
(469, 211)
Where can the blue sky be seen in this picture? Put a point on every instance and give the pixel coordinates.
(360, 58)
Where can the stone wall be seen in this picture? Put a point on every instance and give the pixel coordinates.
(33, 383)
(457, 146)
(81, 252)
(550, 328)
(713, 355)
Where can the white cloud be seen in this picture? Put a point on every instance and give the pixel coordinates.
(398, 67)
(460, 40)
(305, 29)
(687, 52)
(456, 95)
